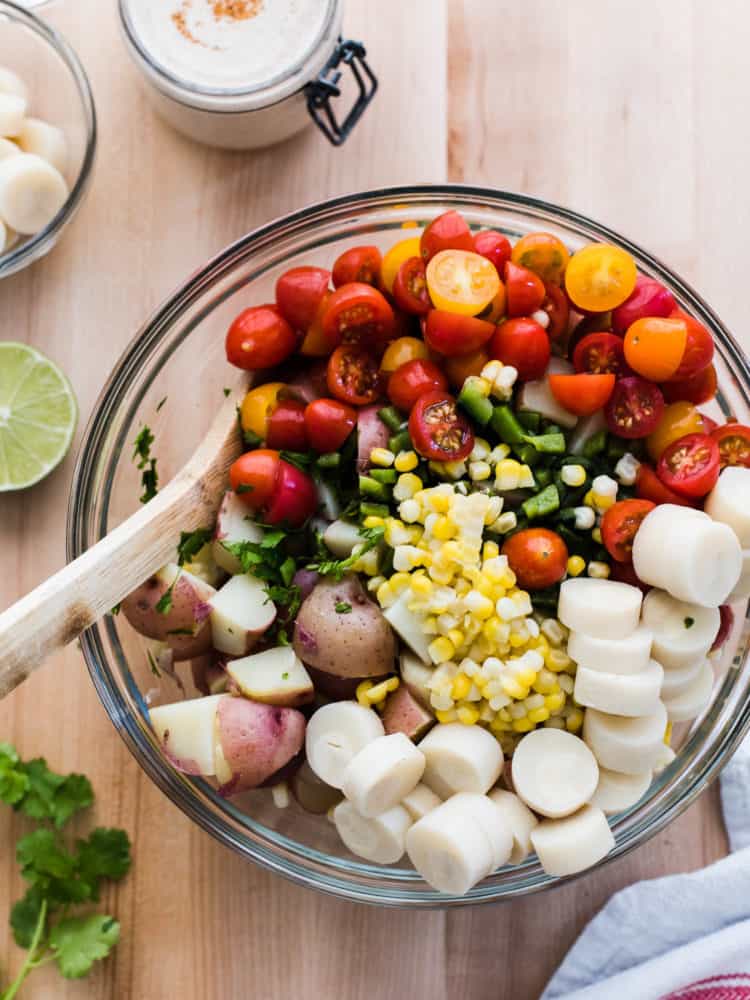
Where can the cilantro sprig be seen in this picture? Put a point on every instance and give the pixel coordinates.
(336, 568)
(146, 462)
(190, 544)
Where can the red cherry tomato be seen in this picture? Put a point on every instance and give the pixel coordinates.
(523, 343)
(634, 408)
(286, 426)
(451, 334)
(690, 465)
(557, 307)
(253, 477)
(695, 389)
(620, 524)
(599, 353)
(624, 573)
(726, 621)
(353, 375)
(360, 264)
(439, 432)
(537, 556)
(649, 299)
(648, 486)
(734, 444)
(295, 497)
(259, 337)
(358, 314)
(494, 246)
(524, 290)
(299, 292)
(412, 380)
(329, 423)
(410, 287)
(582, 394)
(449, 231)
(699, 347)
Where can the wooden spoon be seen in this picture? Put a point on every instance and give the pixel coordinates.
(70, 601)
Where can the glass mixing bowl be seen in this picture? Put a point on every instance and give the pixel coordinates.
(179, 355)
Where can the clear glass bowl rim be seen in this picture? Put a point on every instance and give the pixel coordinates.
(699, 761)
(25, 253)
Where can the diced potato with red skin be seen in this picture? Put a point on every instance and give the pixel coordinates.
(276, 677)
(241, 611)
(404, 714)
(233, 525)
(371, 433)
(185, 625)
(258, 743)
(186, 733)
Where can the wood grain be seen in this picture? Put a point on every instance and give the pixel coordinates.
(627, 110)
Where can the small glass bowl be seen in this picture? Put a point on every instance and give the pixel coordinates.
(59, 93)
(179, 354)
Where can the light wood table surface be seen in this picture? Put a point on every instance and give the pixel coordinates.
(631, 111)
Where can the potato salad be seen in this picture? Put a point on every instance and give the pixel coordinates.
(475, 560)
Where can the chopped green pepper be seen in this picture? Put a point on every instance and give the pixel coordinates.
(548, 444)
(369, 487)
(505, 424)
(478, 406)
(391, 418)
(542, 504)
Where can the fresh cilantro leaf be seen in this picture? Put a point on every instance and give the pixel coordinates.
(74, 794)
(251, 440)
(14, 783)
(149, 482)
(287, 570)
(273, 538)
(299, 459)
(24, 916)
(43, 858)
(116, 609)
(227, 393)
(105, 854)
(282, 638)
(244, 488)
(142, 446)
(160, 404)
(191, 542)
(78, 942)
(689, 622)
(146, 463)
(164, 604)
(38, 803)
(9, 754)
(343, 608)
(338, 567)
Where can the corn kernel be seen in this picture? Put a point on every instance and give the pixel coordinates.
(385, 595)
(461, 687)
(601, 501)
(480, 451)
(507, 474)
(505, 523)
(429, 625)
(627, 468)
(498, 453)
(479, 471)
(566, 682)
(479, 605)
(598, 570)
(557, 660)
(491, 370)
(447, 716)
(382, 457)
(541, 646)
(523, 725)
(499, 725)
(585, 518)
(555, 701)
(468, 714)
(526, 479)
(374, 583)
(573, 475)
(575, 565)
(421, 586)
(439, 502)
(382, 690)
(526, 677)
(491, 550)
(441, 649)
(574, 721)
(553, 630)
(410, 510)
(604, 486)
(396, 532)
(441, 701)
(406, 557)
(537, 715)
(406, 461)
(454, 469)
(596, 535)
(546, 682)
(513, 689)
(406, 486)
(589, 499)
(443, 528)
(362, 692)
(456, 636)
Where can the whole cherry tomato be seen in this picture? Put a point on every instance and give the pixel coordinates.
(412, 380)
(404, 349)
(620, 525)
(295, 497)
(439, 432)
(635, 407)
(329, 423)
(358, 314)
(451, 334)
(734, 444)
(582, 394)
(699, 347)
(557, 307)
(537, 556)
(599, 353)
(649, 298)
(494, 246)
(690, 465)
(360, 264)
(395, 257)
(286, 426)
(410, 287)
(253, 477)
(654, 347)
(259, 337)
(676, 420)
(299, 292)
(461, 281)
(695, 389)
(544, 254)
(648, 486)
(448, 231)
(524, 290)
(353, 375)
(459, 368)
(497, 308)
(524, 344)
(600, 277)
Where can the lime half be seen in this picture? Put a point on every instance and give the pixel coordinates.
(38, 414)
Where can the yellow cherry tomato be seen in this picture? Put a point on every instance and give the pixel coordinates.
(257, 407)
(401, 350)
(677, 420)
(495, 311)
(395, 257)
(543, 254)
(461, 281)
(654, 347)
(600, 277)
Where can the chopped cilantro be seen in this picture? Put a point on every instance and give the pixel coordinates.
(191, 542)
(116, 609)
(285, 676)
(160, 404)
(164, 604)
(343, 608)
(146, 463)
(299, 459)
(142, 446)
(227, 392)
(689, 622)
(338, 567)
(244, 488)
(153, 664)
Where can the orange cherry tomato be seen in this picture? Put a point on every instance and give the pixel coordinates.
(696, 389)
(582, 394)
(544, 254)
(677, 420)
(395, 257)
(358, 264)
(654, 347)
(459, 368)
(449, 231)
(600, 277)
(254, 475)
(620, 525)
(537, 556)
(401, 350)
(461, 281)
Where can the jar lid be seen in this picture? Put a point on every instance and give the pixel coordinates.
(230, 54)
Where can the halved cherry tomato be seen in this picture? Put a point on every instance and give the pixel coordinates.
(557, 307)
(648, 486)
(299, 292)
(286, 426)
(395, 257)
(360, 264)
(582, 394)
(399, 351)
(254, 475)
(726, 622)
(600, 277)
(635, 407)
(410, 287)
(620, 524)
(544, 254)
(537, 556)
(654, 347)
(523, 343)
(695, 389)
(677, 420)
(459, 368)
(353, 375)
(598, 353)
(451, 334)
(699, 348)
(358, 314)
(449, 231)
(648, 298)
(461, 281)
(259, 337)
(734, 444)
(439, 432)
(524, 290)
(595, 323)
(497, 309)
(413, 380)
(690, 465)
(315, 343)
(295, 497)
(329, 423)
(494, 246)
(257, 407)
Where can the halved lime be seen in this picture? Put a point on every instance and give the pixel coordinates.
(38, 414)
